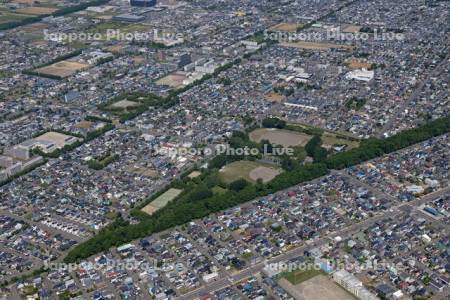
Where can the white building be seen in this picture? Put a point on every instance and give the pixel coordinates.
(362, 75)
(353, 285)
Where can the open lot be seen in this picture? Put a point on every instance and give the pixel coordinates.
(174, 80)
(62, 69)
(351, 28)
(37, 10)
(124, 104)
(248, 170)
(161, 201)
(281, 137)
(274, 97)
(316, 46)
(59, 139)
(355, 64)
(285, 27)
(318, 287)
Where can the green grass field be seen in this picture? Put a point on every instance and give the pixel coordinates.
(299, 276)
(241, 169)
(11, 17)
(332, 139)
(165, 198)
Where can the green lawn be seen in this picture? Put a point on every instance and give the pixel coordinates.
(299, 276)
(166, 197)
(241, 169)
(332, 139)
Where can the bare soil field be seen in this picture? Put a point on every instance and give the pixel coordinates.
(317, 288)
(354, 64)
(264, 173)
(351, 28)
(59, 139)
(124, 104)
(174, 80)
(281, 137)
(316, 46)
(285, 27)
(36, 10)
(62, 69)
(274, 97)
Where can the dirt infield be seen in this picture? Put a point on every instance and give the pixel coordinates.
(62, 69)
(149, 209)
(281, 137)
(36, 10)
(248, 170)
(316, 46)
(264, 173)
(316, 288)
(161, 201)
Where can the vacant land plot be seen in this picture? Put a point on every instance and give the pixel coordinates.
(274, 97)
(174, 80)
(248, 170)
(161, 201)
(354, 64)
(286, 27)
(84, 124)
(59, 139)
(317, 288)
(351, 28)
(37, 10)
(124, 104)
(316, 46)
(281, 137)
(62, 69)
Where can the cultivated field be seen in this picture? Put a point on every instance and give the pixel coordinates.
(281, 137)
(316, 46)
(174, 80)
(62, 69)
(161, 201)
(248, 170)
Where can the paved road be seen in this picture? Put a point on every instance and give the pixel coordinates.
(414, 95)
(256, 268)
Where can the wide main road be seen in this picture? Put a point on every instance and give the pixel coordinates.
(258, 267)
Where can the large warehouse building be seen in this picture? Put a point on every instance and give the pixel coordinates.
(143, 3)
